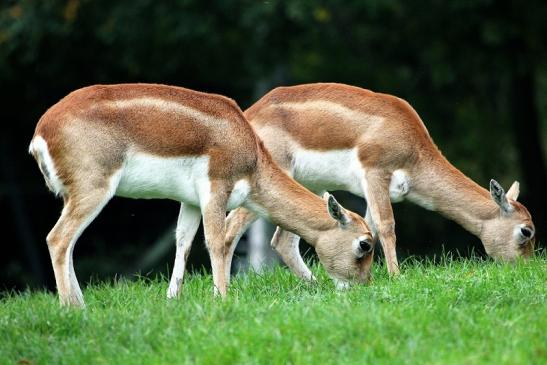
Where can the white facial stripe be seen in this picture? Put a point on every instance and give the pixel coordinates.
(166, 106)
(334, 108)
(356, 246)
(517, 234)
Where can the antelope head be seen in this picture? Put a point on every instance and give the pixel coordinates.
(511, 232)
(346, 249)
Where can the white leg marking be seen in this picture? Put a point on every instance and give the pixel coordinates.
(187, 225)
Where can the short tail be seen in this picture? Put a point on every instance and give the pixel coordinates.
(39, 150)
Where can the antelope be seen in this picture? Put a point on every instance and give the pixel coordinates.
(331, 136)
(156, 141)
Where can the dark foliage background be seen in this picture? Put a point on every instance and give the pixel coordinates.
(476, 72)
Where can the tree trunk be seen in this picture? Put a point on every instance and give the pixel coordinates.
(261, 254)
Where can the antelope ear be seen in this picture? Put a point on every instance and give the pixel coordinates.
(335, 210)
(513, 192)
(498, 195)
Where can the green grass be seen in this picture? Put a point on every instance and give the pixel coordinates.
(453, 312)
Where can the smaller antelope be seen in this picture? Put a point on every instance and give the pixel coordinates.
(156, 141)
(338, 137)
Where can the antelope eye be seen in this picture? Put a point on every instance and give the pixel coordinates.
(365, 245)
(526, 232)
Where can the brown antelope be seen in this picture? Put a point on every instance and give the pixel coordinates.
(338, 137)
(156, 141)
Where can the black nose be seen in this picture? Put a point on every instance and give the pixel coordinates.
(365, 245)
(526, 232)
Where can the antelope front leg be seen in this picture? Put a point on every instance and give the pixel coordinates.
(286, 245)
(376, 189)
(237, 223)
(187, 226)
(371, 226)
(214, 215)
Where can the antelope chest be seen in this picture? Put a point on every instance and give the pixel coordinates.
(328, 170)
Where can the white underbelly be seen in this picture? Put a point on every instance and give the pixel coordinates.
(341, 170)
(329, 170)
(145, 176)
(183, 179)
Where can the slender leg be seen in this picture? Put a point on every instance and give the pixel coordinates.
(78, 213)
(237, 223)
(214, 215)
(286, 245)
(376, 188)
(371, 226)
(187, 226)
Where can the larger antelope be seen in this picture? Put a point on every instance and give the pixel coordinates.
(155, 141)
(338, 137)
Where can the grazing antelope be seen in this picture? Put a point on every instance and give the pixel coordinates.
(339, 137)
(155, 141)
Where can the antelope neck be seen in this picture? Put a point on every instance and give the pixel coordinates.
(443, 188)
(288, 204)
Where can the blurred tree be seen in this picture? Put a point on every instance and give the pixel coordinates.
(470, 68)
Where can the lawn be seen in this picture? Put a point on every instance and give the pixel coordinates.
(452, 312)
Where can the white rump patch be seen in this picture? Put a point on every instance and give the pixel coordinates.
(38, 147)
